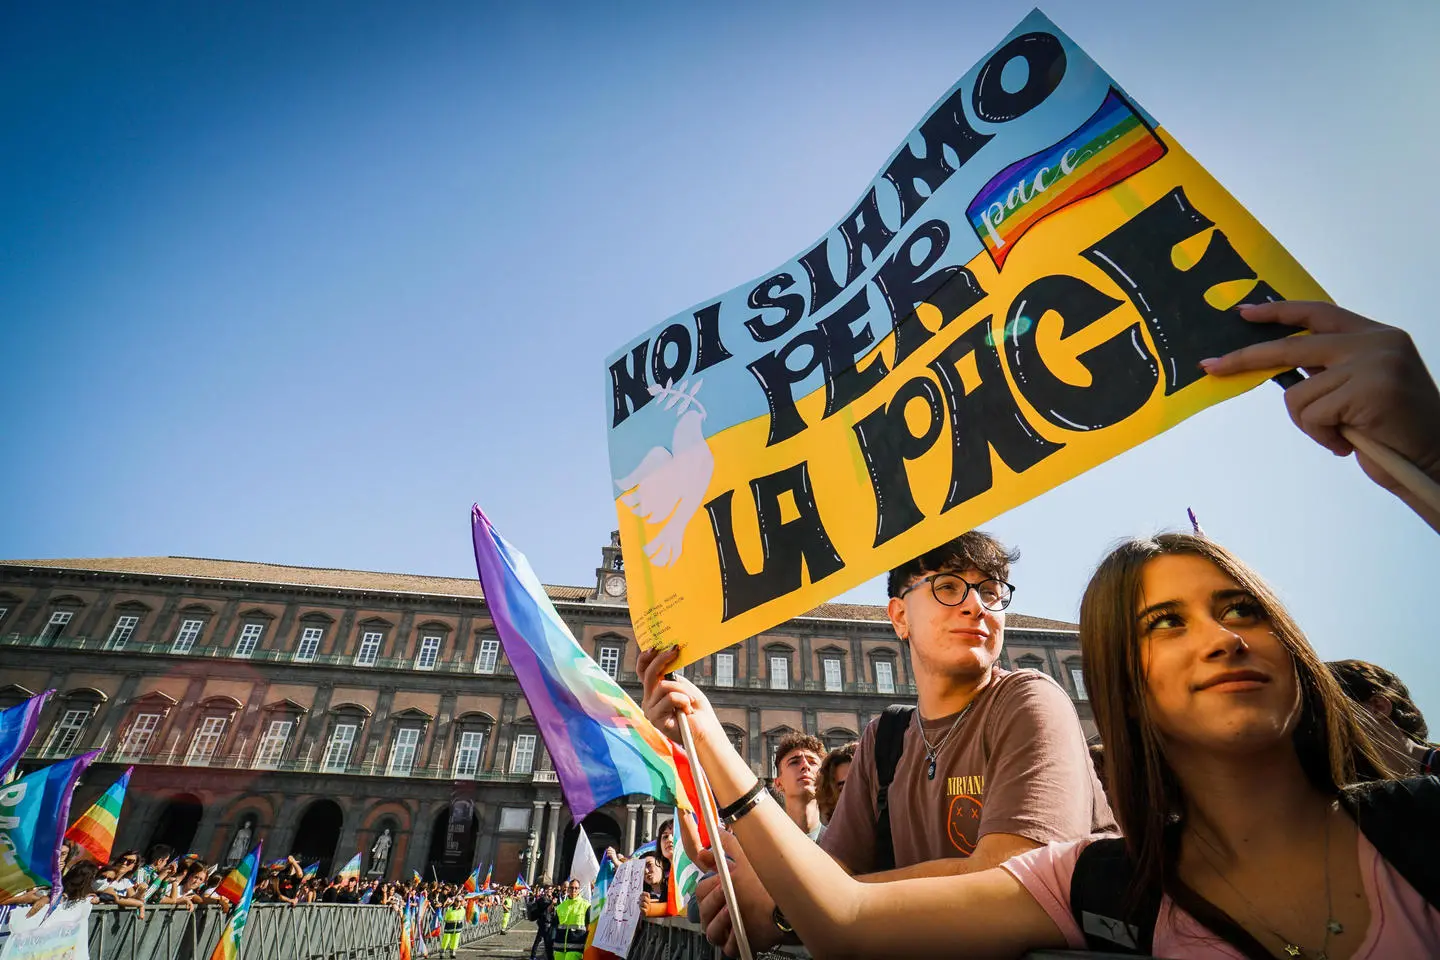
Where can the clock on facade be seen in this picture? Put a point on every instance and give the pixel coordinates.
(615, 586)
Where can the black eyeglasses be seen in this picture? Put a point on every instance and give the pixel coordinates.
(951, 589)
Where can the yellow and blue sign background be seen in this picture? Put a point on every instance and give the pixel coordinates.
(1023, 292)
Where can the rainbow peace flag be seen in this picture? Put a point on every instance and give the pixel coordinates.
(602, 744)
(229, 946)
(17, 729)
(94, 832)
(488, 874)
(416, 875)
(351, 870)
(472, 882)
(312, 870)
(33, 812)
(240, 879)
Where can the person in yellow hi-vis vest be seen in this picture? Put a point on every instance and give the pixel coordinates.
(571, 918)
(505, 917)
(454, 919)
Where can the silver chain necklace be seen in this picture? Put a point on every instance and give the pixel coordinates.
(1292, 949)
(930, 751)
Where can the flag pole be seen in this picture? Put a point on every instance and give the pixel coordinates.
(1411, 477)
(712, 823)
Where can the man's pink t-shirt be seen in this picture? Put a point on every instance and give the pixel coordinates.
(1402, 924)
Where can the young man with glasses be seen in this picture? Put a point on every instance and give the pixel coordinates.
(992, 763)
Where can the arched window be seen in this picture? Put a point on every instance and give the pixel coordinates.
(772, 744)
(832, 669)
(472, 732)
(882, 668)
(487, 653)
(373, 633)
(313, 627)
(1076, 670)
(779, 665)
(128, 616)
(1029, 661)
(736, 736)
(610, 653)
(75, 709)
(346, 722)
(524, 748)
(141, 732)
(408, 734)
(63, 611)
(193, 621)
(430, 640)
(838, 737)
(279, 730)
(211, 731)
(250, 633)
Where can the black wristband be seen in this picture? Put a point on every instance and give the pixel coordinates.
(730, 810)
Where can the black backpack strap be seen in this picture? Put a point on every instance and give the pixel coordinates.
(1098, 901)
(889, 744)
(1401, 819)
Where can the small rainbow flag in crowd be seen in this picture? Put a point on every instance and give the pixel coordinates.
(278, 863)
(472, 882)
(312, 871)
(240, 879)
(488, 874)
(33, 812)
(351, 870)
(94, 832)
(520, 883)
(229, 946)
(601, 742)
(17, 729)
(416, 875)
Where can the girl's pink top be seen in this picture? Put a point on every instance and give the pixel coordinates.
(1402, 924)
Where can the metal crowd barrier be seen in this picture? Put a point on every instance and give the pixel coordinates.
(673, 938)
(312, 931)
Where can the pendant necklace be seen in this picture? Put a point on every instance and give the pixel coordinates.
(1291, 949)
(930, 751)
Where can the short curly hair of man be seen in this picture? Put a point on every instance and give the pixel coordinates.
(975, 549)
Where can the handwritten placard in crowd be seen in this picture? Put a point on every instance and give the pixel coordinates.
(1024, 291)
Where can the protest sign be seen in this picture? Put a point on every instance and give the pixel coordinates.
(1023, 292)
(620, 918)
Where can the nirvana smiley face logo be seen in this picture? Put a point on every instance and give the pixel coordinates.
(964, 822)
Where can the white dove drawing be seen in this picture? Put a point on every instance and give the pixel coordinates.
(669, 485)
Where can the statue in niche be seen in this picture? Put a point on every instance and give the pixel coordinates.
(241, 846)
(380, 853)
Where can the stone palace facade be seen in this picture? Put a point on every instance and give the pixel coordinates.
(335, 711)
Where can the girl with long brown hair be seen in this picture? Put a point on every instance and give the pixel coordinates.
(1231, 755)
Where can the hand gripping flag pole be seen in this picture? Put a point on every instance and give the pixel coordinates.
(712, 823)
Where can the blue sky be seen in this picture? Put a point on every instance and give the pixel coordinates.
(299, 282)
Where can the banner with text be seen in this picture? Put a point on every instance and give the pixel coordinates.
(1023, 292)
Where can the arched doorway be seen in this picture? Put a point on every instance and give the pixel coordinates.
(178, 823)
(317, 835)
(601, 829)
(452, 846)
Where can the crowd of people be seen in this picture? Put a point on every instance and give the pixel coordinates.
(160, 878)
(1233, 758)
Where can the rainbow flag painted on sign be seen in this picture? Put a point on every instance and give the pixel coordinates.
(17, 729)
(240, 879)
(94, 832)
(351, 870)
(33, 812)
(229, 946)
(1106, 149)
(602, 744)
